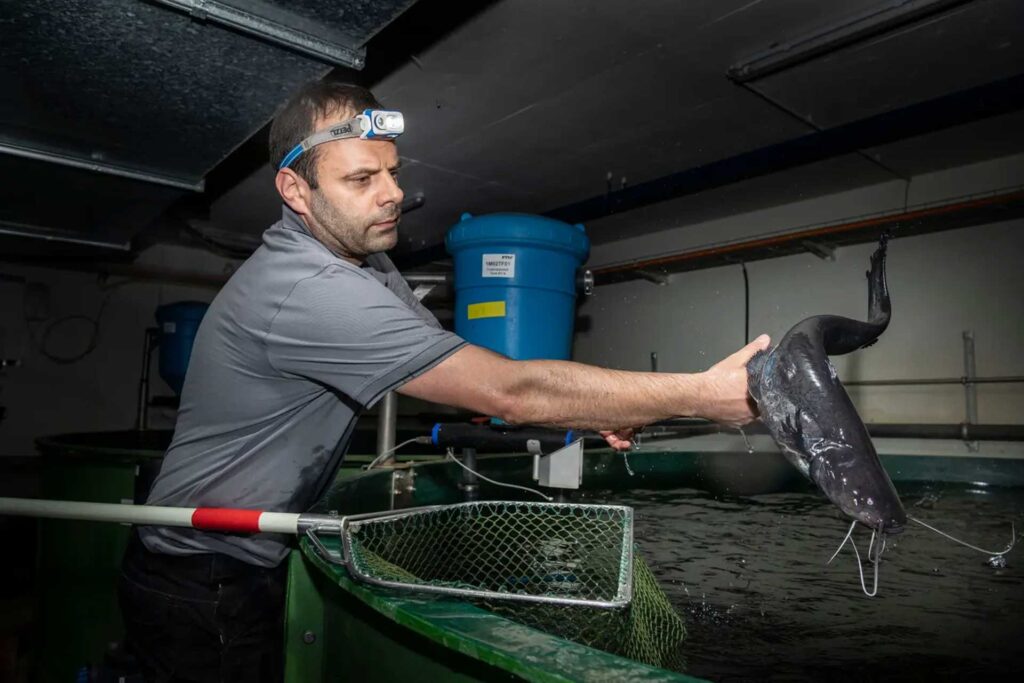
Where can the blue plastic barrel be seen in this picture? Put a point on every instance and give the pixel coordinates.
(515, 283)
(179, 323)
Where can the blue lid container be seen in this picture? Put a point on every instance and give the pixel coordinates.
(515, 282)
(179, 323)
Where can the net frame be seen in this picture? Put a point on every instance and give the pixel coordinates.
(620, 557)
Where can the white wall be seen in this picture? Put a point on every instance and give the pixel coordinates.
(98, 392)
(673, 233)
(941, 284)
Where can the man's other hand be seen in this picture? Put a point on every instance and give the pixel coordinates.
(619, 439)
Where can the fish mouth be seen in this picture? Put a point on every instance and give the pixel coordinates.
(888, 529)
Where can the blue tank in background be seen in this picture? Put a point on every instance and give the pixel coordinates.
(515, 282)
(179, 323)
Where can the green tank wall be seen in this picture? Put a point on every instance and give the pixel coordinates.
(359, 631)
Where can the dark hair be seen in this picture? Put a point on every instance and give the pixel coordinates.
(296, 120)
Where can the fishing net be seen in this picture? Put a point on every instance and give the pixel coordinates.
(564, 568)
(563, 553)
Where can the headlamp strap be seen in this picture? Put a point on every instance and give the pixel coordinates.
(359, 126)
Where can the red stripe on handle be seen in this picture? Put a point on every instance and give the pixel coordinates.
(226, 519)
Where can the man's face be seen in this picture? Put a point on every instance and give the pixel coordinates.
(356, 207)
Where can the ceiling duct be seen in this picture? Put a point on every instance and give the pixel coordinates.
(119, 107)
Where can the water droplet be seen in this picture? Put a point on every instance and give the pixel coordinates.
(750, 449)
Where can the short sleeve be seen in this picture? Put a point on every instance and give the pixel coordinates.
(346, 330)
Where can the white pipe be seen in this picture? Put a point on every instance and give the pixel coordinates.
(213, 519)
(97, 512)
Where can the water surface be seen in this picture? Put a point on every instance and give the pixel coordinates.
(749, 575)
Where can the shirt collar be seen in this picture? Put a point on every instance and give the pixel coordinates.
(292, 220)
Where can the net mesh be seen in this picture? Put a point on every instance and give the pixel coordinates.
(649, 630)
(570, 552)
(557, 551)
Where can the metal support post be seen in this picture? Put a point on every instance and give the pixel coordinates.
(387, 422)
(470, 485)
(970, 389)
(142, 412)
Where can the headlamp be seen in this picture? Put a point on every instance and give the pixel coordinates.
(370, 125)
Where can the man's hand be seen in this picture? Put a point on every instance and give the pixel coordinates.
(724, 396)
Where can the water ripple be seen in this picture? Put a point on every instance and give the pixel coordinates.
(749, 575)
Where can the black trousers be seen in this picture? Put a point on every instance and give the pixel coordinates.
(202, 617)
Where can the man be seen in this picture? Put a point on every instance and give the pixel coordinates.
(314, 328)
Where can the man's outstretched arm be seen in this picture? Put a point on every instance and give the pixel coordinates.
(578, 396)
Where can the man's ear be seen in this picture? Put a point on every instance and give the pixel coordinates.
(294, 191)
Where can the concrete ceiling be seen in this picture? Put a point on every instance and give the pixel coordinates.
(529, 105)
(532, 104)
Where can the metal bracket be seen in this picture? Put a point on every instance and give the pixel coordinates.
(414, 202)
(822, 251)
(585, 282)
(423, 291)
(403, 486)
(322, 550)
(653, 277)
(562, 469)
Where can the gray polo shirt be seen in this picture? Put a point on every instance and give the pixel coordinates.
(292, 349)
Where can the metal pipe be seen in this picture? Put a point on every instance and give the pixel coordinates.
(428, 278)
(142, 414)
(954, 109)
(970, 390)
(1009, 379)
(387, 421)
(192, 279)
(470, 485)
(487, 438)
(959, 432)
(50, 235)
(417, 201)
(332, 50)
(858, 28)
(728, 252)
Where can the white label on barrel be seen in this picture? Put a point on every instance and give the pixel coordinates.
(499, 265)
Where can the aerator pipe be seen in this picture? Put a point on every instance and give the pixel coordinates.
(503, 439)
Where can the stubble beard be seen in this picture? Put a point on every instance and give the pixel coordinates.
(350, 235)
